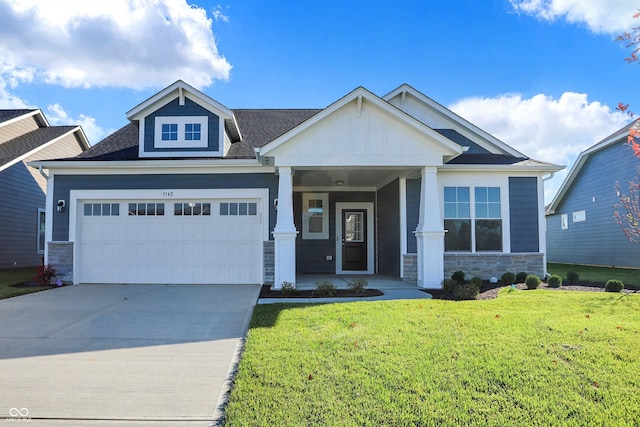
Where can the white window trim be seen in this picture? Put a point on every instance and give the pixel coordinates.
(564, 221)
(44, 244)
(342, 206)
(181, 121)
(306, 234)
(471, 181)
(579, 216)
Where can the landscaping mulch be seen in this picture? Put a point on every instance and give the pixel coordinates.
(267, 292)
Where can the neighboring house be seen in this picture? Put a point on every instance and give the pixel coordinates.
(194, 192)
(25, 135)
(581, 228)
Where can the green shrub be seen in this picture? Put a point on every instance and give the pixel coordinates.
(325, 287)
(288, 288)
(554, 281)
(532, 281)
(521, 277)
(613, 286)
(572, 277)
(476, 280)
(358, 285)
(508, 278)
(466, 291)
(448, 285)
(458, 276)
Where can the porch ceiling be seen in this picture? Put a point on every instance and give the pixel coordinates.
(351, 177)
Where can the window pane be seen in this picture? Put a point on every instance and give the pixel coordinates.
(142, 208)
(315, 224)
(160, 209)
(187, 208)
(206, 209)
(493, 194)
(481, 194)
(450, 194)
(106, 209)
(463, 194)
(233, 209)
(177, 209)
(458, 235)
(224, 209)
(97, 209)
(132, 209)
(115, 209)
(88, 209)
(488, 235)
(253, 209)
(450, 210)
(494, 210)
(481, 210)
(464, 210)
(242, 209)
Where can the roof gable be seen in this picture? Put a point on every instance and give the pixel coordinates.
(361, 128)
(433, 114)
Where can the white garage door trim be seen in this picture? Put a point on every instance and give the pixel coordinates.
(77, 196)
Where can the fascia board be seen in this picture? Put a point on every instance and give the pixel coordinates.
(38, 148)
(148, 164)
(36, 112)
(460, 121)
(166, 95)
(377, 101)
(502, 168)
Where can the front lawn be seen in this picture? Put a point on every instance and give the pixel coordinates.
(12, 276)
(526, 358)
(629, 276)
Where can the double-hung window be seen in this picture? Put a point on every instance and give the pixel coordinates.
(315, 216)
(473, 219)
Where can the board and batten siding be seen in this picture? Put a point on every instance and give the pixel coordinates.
(388, 215)
(598, 240)
(63, 184)
(311, 254)
(523, 213)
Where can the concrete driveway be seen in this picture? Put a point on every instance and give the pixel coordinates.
(120, 355)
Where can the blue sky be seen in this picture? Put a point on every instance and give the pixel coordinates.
(542, 75)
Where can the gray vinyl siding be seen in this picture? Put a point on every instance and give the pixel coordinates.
(17, 129)
(189, 108)
(311, 254)
(65, 183)
(598, 240)
(523, 213)
(21, 192)
(413, 213)
(388, 229)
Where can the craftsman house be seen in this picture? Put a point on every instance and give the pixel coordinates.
(191, 191)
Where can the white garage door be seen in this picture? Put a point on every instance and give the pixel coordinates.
(170, 242)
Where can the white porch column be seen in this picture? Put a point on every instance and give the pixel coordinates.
(430, 232)
(285, 233)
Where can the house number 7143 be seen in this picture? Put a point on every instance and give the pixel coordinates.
(167, 194)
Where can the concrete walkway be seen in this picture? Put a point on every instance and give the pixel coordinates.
(116, 355)
(391, 287)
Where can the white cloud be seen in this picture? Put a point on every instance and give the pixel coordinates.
(11, 101)
(119, 43)
(57, 116)
(542, 127)
(600, 16)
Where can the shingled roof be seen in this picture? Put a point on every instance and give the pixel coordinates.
(23, 144)
(6, 115)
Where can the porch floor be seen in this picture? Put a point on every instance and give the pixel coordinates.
(376, 281)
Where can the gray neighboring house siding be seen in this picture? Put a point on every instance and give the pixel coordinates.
(63, 184)
(24, 188)
(598, 240)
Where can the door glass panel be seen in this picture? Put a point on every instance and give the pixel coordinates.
(353, 226)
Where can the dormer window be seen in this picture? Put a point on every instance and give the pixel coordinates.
(181, 132)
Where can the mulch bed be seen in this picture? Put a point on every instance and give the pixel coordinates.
(32, 284)
(267, 292)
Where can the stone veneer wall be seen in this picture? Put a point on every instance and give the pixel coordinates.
(268, 254)
(410, 267)
(486, 266)
(61, 258)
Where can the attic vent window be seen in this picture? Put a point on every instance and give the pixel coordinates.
(181, 132)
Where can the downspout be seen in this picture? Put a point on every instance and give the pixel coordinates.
(41, 170)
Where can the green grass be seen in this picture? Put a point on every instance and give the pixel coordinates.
(16, 275)
(629, 276)
(534, 358)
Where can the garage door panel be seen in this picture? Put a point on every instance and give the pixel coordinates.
(168, 248)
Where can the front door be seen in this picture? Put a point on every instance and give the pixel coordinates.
(354, 240)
